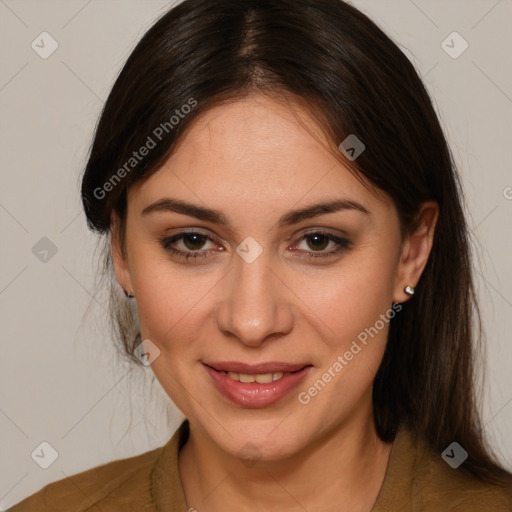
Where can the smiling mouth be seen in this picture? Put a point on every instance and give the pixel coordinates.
(252, 375)
(256, 385)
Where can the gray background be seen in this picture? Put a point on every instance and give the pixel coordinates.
(60, 380)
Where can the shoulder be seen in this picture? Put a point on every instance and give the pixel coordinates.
(428, 482)
(459, 491)
(123, 483)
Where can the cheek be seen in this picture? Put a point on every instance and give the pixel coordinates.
(172, 311)
(356, 305)
(170, 308)
(168, 298)
(352, 297)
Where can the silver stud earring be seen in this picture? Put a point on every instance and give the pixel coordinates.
(409, 290)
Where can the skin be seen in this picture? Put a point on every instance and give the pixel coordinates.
(254, 161)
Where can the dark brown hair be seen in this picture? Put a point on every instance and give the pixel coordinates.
(332, 59)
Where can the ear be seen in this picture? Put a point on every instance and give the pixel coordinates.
(416, 250)
(119, 260)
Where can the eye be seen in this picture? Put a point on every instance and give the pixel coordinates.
(318, 241)
(189, 245)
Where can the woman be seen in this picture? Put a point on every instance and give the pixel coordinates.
(280, 202)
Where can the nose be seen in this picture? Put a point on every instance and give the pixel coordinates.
(255, 302)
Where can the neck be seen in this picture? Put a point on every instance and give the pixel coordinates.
(347, 465)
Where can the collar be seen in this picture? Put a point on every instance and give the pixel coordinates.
(166, 486)
(402, 465)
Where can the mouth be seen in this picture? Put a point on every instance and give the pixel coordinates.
(263, 373)
(258, 385)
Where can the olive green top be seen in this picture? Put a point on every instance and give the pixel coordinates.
(417, 480)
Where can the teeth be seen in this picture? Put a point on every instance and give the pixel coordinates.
(261, 378)
(264, 378)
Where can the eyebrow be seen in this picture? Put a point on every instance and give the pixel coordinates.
(168, 204)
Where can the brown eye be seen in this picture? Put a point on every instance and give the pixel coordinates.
(194, 241)
(316, 242)
(188, 245)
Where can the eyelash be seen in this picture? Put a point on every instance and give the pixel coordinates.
(343, 244)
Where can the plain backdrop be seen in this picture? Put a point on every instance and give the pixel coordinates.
(60, 380)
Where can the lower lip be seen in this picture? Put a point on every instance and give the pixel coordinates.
(254, 394)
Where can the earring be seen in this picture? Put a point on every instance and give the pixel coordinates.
(409, 290)
(129, 295)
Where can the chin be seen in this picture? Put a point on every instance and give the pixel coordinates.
(268, 439)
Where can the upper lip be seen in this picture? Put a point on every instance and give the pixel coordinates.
(251, 369)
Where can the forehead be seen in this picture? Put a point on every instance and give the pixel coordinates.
(258, 124)
(253, 151)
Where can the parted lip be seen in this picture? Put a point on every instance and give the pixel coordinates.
(253, 369)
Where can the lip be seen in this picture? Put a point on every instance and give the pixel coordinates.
(255, 395)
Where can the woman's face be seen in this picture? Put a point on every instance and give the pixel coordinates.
(264, 285)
